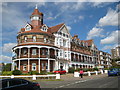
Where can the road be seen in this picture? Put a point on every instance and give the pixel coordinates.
(106, 82)
(97, 82)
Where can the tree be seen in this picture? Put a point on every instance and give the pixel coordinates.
(6, 67)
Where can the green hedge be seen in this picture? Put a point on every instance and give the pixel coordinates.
(71, 70)
(7, 73)
(33, 73)
(16, 72)
(95, 69)
(43, 72)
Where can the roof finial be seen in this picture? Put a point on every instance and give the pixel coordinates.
(36, 7)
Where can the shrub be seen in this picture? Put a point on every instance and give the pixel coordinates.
(50, 73)
(95, 69)
(25, 74)
(78, 69)
(106, 68)
(85, 69)
(33, 73)
(7, 73)
(71, 70)
(16, 72)
(43, 72)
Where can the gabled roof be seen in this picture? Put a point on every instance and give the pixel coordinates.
(56, 28)
(36, 29)
(89, 42)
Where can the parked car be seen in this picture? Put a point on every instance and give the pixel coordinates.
(114, 71)
(18, 84)
(61, 71)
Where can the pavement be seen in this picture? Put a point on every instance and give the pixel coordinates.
(68, 79)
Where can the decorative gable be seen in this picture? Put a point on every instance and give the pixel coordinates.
(44, 28)
(28, 27)
(64, 30)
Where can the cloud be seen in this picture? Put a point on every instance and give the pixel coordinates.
(108, 47)
(81, 17)
(112, 38)
(5, 59)
(111, 18)
(12, 17)
(7, 47)
(33, 4)
(69, 28)
(95, 32)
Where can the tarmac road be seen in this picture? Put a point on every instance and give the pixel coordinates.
(94, 81)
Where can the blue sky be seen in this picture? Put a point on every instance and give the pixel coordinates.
(89, 20)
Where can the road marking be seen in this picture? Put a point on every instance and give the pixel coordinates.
(73, 83)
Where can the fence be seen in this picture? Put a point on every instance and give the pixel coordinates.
(76, 74)
(34, 77)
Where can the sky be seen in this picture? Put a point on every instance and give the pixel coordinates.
(89, 20)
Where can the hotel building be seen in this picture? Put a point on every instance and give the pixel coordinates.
(41, 47)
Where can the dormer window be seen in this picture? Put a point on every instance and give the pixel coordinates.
(44, 28)
(27, 27)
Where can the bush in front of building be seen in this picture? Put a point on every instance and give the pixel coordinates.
(7, 73)
(71, 70)
(33, 73)
(16, 72)
(95, 69)
(44, 72)
(87, 69)
(50, 73)
(25, 74)
(78, 69)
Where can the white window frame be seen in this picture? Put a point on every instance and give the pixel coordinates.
(42, 66)
(61, 53)
(34, 51)
(45, 40)
(35, 18)
(34, 66)
(27, 27)
(25, 39)
(44, 28)
(24, 51)
(34, 38)
(46, 64)
(24, 67)
(64, 43)
(65, 54)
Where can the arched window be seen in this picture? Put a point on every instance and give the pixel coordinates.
(34, 38)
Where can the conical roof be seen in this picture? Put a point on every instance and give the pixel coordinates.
(36, 12)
